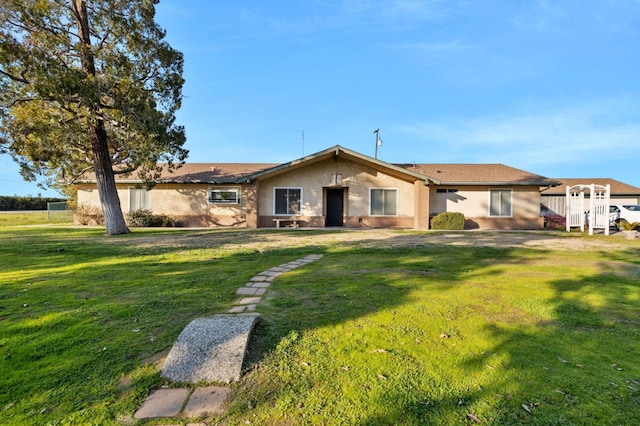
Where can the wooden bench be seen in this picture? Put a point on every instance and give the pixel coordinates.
(294, 222)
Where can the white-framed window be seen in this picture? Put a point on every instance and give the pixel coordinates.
(500, 202)
(383, 201)
(287, 201)
(223, 196)
(139, 199)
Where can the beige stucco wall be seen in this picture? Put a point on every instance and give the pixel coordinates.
(88, 195)
(191, 199)
(474, 201)
(356, 178)
(185, 202)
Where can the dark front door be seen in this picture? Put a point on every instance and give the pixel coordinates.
(335, 207)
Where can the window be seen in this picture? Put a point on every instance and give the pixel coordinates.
(139, 199)
(446, 190)
(384, 202)
(500, 202)
(287, 201)
(223, 196)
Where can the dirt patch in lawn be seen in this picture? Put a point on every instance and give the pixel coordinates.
(269, 239)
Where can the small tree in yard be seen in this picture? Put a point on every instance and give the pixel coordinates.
(89, 86)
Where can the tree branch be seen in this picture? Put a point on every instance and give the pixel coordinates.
(124, 171)
(19, 100)
(76, 176)
(103, 40)
(21, 79)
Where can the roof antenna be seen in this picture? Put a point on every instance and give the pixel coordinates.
(303, 143)
(378, 141)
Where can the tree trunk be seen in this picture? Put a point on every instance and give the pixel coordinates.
(113, 218)
(105, 180)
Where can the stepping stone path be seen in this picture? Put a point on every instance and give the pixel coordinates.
(212, 350)
(258, 285)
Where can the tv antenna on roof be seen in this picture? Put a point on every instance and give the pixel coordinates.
(378, 141)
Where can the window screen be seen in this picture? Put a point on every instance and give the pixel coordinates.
(383, 202)
(287, 201)
(500, 202)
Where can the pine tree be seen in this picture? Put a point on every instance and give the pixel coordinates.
(89, 86)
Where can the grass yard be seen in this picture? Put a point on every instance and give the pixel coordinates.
(391, 328)
(64, 217)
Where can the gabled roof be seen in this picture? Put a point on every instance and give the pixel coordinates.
(338, 152)
(438, 174)
(617, 187)
(479, 174)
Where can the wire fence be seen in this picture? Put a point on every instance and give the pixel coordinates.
(58, 211)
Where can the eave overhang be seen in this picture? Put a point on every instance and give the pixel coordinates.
(496, 183)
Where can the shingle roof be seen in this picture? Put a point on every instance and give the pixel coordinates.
(617, 187)
(442, 174)
(439, 174)
(212, 172)
(223, 173)
(479, 174)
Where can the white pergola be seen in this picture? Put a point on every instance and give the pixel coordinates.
(598, 207)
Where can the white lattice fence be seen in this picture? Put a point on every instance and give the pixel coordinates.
(575, 202)
(598, 207)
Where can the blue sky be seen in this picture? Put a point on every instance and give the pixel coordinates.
(551, 87)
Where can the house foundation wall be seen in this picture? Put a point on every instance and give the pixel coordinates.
(211, 221)
(380, 222)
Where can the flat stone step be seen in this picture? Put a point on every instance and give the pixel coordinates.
(162, 403)
(210, 349)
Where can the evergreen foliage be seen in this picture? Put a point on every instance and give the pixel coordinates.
(88, 87)
(25, 203)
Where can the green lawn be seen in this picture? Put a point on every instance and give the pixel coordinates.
(35, 218)
(390, 332)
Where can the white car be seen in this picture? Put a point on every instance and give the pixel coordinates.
(620, 213)
(627, 213)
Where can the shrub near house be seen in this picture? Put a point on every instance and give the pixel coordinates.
(88, 215)
(146, 218)
(555, 222)
(448, 220)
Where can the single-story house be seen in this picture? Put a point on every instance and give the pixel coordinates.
(554, 199)
(335, 187)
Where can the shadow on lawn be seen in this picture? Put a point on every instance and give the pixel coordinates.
(349, 289)
(109, 303)
(579, 365)
(81, 313)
